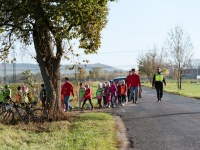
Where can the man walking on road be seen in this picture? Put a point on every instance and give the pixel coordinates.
(134, 83)
(67, 90)
(158, 81)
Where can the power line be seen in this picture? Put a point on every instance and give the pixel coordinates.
(109, 52)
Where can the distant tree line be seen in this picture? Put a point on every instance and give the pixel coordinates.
(80, 75)
(174, 57)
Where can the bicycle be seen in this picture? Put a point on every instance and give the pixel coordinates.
(26, 113)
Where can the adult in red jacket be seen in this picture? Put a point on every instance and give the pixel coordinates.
(134, 83)
(128, 80)
(67, 90)
(87, 96)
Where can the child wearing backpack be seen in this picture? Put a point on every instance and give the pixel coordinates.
(113, 90)
(107, 93)
(81, 96)
(6, 96)
(43, 95)
(99, 95)
(104, 96)
(87, 96)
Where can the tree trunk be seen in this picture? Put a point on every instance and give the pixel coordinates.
(150, 78)
(49, 67)
(178, 82)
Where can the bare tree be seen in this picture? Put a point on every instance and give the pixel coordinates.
(82, 73)
(149, 61)
(179, 48)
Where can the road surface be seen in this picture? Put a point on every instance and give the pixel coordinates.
(173, 124)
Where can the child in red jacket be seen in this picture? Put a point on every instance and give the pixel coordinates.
(87, 96)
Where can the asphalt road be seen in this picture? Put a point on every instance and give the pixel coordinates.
(173, 124)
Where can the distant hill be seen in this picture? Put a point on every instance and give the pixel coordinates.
(20, 67)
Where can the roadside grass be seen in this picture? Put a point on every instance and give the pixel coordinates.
(84, 131)
(88, 131)
(188, 89)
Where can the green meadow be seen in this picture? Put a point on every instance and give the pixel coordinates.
(87, 131)
(188, 88)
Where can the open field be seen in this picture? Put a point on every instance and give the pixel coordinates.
(188, 89)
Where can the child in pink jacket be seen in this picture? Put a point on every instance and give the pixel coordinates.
(113, 90)
(107, 94)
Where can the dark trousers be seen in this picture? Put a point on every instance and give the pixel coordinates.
(159, 90)
(123, 98)
(89, 102)
(99, 102)
(129, 94)
(43, 102)
(119, 99)
(104, 100)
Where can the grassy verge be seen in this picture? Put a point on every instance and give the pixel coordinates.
(188, 89)
(92, 131)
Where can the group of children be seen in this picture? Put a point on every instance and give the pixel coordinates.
(23, 95)
(108, 94)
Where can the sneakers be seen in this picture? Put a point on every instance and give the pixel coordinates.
(113, 106)
(100, 106)
(159, 100)
(135, 102)
(71, 108)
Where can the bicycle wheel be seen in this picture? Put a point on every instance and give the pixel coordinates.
(37, 115)
(6, 117)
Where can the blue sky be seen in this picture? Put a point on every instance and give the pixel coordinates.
(134, 26)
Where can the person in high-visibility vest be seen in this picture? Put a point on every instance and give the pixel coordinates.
(81, 94)
(6, 96)
(158, 80)
(99, 95)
